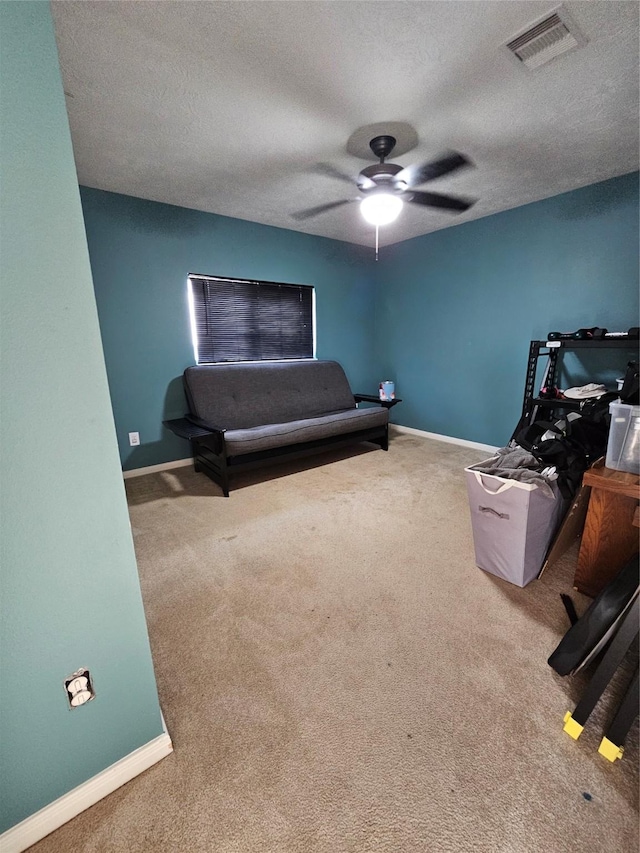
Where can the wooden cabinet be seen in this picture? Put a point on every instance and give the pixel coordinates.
(610, 537)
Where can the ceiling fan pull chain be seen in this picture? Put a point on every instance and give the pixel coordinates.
(377, 226)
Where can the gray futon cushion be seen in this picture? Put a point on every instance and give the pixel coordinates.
(241, 396)
(295, 432)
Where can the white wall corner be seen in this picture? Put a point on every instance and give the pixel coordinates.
(51, 817)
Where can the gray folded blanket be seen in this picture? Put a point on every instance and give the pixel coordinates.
(515, 463)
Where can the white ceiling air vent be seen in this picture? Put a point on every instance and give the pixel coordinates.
(543, 41)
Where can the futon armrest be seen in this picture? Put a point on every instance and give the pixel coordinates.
(371, 398)
(204, 425)
(187, 428)
(366, 398)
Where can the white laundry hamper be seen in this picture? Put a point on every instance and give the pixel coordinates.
(513, 523)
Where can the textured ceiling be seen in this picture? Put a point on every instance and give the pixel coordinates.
(227, 106)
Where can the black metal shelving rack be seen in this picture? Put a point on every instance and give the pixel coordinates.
(532, 404)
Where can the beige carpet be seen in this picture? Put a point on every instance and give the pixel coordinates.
(337, 675)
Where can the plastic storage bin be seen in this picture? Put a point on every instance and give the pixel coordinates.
(623, 447)
(513, 524)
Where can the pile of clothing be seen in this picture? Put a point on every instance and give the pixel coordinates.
(516, 463)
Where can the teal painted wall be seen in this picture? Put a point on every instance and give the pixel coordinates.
(141, 254)
(70, 590)
(456, 309)
(448, 316)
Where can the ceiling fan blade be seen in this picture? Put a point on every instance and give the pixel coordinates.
(331, 172)
(321, 208)
(443, 202)
(419, 173)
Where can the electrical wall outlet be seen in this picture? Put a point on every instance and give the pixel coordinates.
(79, 688)
(134, 439)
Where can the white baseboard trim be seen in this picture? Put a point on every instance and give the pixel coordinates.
(153, 469)
(53, 816)
(448, 439)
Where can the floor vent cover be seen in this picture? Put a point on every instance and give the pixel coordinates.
(548, 38)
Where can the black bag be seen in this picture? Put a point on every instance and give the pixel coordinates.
(575, 445)
(597, 409)
(630, 392)
(570, 463)
(590, 432)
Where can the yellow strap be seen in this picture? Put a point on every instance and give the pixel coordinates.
(610, 750)
(572, 728)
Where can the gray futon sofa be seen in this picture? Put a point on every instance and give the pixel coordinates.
(242, 415)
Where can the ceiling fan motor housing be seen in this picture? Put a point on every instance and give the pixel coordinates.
(381, 173)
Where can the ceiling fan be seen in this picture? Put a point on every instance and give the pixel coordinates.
(385, 186)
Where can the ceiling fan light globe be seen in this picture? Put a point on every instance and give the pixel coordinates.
(381, 208)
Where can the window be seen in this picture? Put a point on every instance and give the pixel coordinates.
(236, 320)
